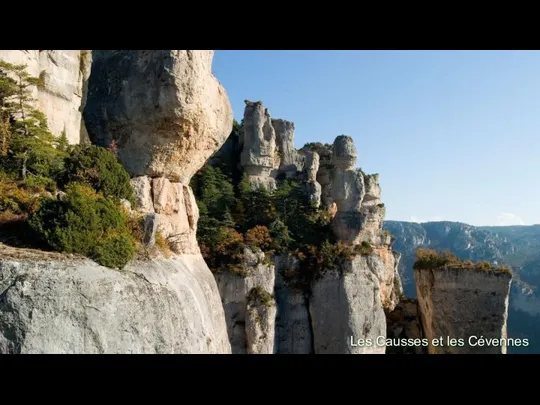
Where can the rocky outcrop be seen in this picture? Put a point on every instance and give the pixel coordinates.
(170, 209)
(348, 191)
(372, 212)
(61, 94)
(164, 109)
(290, 161)
(52, 304)
(311, 167)
(325, 174)
(465, 308)
(167, 115)
(250, 309)
(349, 306)
(359, 211)
(259, 157)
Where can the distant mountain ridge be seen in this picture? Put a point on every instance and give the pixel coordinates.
(517, 246)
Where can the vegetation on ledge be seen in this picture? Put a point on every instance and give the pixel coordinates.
(54, 196)
(234, 216)
(258, 295)
(429, 259)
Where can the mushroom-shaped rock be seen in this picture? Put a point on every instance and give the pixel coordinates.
(165, 110)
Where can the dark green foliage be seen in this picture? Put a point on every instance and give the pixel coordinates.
(281, 237)
(40, 183)
(215, 192)
(86, 223)
(320, 148)
(278, 222)
(62, 143)
(33, 160)
(98, 168)
(27, 147)
(115, 250)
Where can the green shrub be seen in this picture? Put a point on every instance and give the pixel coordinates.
(40, 183)
(86, 223)
(98, 168)
(115, 250)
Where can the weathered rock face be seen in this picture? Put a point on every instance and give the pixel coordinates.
(347, 308)
(167, 114)
(62, 95)
(290, 160)
(324, 176)
(359, 211)
(352, 305)
(169, 208)
(311, 166)
(293, 323)
(372, 212)
(465, 304)
(259, 157)
(249, 316)
(348, 191)
(54, 306)
(166, 111)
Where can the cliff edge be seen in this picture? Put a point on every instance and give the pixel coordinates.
(167, 114)
(463, 306)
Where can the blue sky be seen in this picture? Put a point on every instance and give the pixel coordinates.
(454, 135)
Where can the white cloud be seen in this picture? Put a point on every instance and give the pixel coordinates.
(507, 218)
(431, 219)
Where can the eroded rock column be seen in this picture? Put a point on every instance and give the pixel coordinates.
(290, 162)
(347, 191)
(311, 187)
(259, 157)
(465, 305)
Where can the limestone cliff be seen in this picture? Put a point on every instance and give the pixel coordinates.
(61, 94)
(159, 107)
(167, 115)
(51, 303)
(250, 308)
(348, 303)
(465, 307)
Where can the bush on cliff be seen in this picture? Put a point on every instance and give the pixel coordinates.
(86, 223)
(34, 162)
(98, 168)
(282, 221)
(429, 259)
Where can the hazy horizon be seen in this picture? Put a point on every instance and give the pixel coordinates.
(453, 134)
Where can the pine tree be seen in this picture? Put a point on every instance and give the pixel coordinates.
(26, 144)
(228, 220)
(62, 143)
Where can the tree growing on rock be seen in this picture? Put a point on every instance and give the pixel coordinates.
(26, 144)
